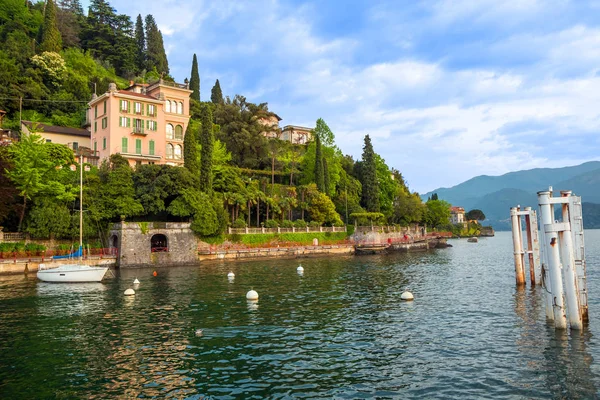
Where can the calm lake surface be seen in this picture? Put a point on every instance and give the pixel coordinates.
(340, 330)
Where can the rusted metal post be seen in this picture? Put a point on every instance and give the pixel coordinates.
(568, 262)
(535, 238)
(529, 231)
(553, 255)
(517, 246)
(576, 219)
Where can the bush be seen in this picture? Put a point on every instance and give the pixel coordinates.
(34, 247)
(7, 247)
(239, 223)
(287, 224)
(19, 246)
(271, 224)
(300, 223)
(314, 224)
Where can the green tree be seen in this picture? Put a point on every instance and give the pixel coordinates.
(434, 196)
(69, 16)
(370, 185)
(118, 194)
(319, 173)
(49, 217)
(321, 209)
(326, 187)
(323, 132)
(437, 213)
(216, 95)
(155, 49)
(206, 155)
(475, 215)
(51, 39)
(140, 42)
(190, 150)
(195, 80)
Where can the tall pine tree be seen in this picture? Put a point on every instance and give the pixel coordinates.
(326, 187)
(216, 95)
(195, 80)
(370, 186)
(51, 40)
(69, 18)
(206, 155)
(319, 176)
(140, 42)
(155, 49)
(190, 149)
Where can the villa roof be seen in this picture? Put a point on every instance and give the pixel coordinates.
(62, 130)
(141, 95)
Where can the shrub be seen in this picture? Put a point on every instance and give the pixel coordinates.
(300, 223)
(19, 246)
(271, 224)
(314, 224)
(287, 224)
(239, 223)
(7, 247)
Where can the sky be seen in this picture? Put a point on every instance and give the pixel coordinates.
(447, 90)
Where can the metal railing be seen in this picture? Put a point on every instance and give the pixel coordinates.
(308, 229)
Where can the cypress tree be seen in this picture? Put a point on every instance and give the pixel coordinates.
(206, 155)
(155, 49)
(216, 95)
(51, 40)
(325, 176)
(190, 150)
(140, 42)
(370, 186)
(195, 80)
(319, 176)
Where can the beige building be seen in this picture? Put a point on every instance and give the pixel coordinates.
(271, 123)
(296, 134)
(144, 123)
(457, 215)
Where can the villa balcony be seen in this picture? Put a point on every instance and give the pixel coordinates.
(138, 131)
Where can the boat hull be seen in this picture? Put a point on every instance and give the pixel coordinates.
(72, 273)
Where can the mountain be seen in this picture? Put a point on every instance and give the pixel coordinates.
(494, 195)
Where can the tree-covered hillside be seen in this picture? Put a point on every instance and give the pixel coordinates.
(56, 56)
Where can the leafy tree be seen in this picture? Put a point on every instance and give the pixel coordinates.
(322, 210)
(49, 217)
(118, 194)
(69, 17)
(437, 213)
(326, 186)
(190, 150)
(323, 132)
(51, 39)
(140, 41)
(370, 185)
(434, 196)
(8, 200)
(319, 173)
(195, 80)
(216, 95)
(408, 209)
(207, 143)
(348, 195)
(193, 202)
(475, 215)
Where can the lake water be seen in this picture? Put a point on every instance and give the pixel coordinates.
(340, 330)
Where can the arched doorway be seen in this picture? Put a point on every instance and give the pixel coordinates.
(113, 245)
(159, 243)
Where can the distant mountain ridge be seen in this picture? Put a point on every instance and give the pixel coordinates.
(494, 195)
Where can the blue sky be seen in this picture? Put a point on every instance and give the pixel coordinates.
(447, 90)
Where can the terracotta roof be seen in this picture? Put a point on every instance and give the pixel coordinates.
(64, 130)
(457, 209)
(144, 96)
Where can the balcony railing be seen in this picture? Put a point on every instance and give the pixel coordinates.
(138, 131)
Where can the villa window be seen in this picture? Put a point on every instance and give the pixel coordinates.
(96, 111)
(168, 106)
(152, 110)
(169, 131)
(138, 108)
(138, 146)
(180, 108)
(179, 132)
(104, 122)
(104, 106)
(151, 147)
(104, 143)
(138, 125)
(151, 125)
(124, 145)
(169, 153)
(178, 152)
(124, 105)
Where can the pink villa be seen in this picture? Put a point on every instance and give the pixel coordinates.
(144, 123)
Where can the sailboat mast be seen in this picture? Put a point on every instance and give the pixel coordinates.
(80, 205)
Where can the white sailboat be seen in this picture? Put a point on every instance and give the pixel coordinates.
(74, 272)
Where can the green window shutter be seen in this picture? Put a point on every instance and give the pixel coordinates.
(95, 126)
(95, 147)
(103, 143)
(124, 145)
(142, 108)
(104, 106)
(138, 146)
(128, 122)
(147, 124)
(128, 107)
(151, 148)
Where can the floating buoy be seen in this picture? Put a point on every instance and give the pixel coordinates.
(252, 295)
(129, 292)
(198, 332)
(231, 275)
(154, 273)
(300, 269)
(407, 296)
(136, 282)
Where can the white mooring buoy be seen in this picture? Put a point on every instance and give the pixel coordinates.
(129, 292)
(300, 270)
(136, 282)
(231, 275)
(407, 296)
(252, 295)
(198, 332)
